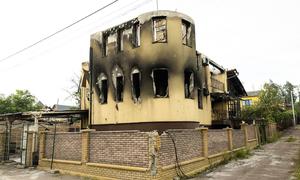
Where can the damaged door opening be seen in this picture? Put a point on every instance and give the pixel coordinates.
(136, 85)
(160, 83)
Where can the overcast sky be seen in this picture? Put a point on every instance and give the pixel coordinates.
(261, 38)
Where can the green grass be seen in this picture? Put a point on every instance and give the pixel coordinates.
(291, 139)
(242, 154)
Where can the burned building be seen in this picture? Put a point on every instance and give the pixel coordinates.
(146, 74)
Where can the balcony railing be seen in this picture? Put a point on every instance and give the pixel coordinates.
(217, 85)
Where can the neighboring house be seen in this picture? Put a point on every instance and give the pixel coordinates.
(146, 74)
(251, 99)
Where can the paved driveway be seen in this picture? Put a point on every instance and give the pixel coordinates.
(9, 171)
(274, 161)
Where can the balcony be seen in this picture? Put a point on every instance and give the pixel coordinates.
(217, 85)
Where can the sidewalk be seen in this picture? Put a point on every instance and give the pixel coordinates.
(271, 162)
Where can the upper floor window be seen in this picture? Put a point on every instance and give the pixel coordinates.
(159, 29)
(104, 44)
(160, 82)
(186, 33)
(120, 40)
(136, 35)
(118, 82)
(188, 84)
(103, 87)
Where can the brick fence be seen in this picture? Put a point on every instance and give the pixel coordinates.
(142, 155)
(2, 146)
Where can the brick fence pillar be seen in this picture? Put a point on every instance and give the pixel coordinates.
(29, 150)
(229, 135)
(204, 135)
(85, 140)
(244, 129)
(42, 139)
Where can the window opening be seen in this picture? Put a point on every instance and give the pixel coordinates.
(136, 33)
(160, 82)
(104, 44)
(188, 84)
(120, 40)
(186, 33)
(103, 88)
(118, 82)
(136, 85)
(160, 29)
(200, 100)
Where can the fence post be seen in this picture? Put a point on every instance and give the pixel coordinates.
(244, 128)
(204, 135)
(229, 135)
(85, 140)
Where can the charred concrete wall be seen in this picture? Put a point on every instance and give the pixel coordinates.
(160, 45)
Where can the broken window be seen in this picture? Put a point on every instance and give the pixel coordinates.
(120, 40)
(103, 88)
(136, 85)
(118, 82)
(188, 84)
(104, 44)
(200, 100)
(136, 33)
(186, 33)
(160, 82)
(160, 29)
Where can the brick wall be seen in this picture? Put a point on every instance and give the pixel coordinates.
(238, 138)
(188, 145)
(120, 148)
(217, 141)
(251, 132)
(67, 146)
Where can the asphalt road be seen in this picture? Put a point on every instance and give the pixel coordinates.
(274, 161)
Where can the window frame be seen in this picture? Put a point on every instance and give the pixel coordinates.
(154, 31)
(136, 35)
(188, 25)
(154, 84)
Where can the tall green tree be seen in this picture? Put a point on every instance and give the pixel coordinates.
(288, 89)
(20, 101)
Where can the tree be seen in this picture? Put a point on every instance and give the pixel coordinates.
(288, 89)
(20, 101)
(74, 91)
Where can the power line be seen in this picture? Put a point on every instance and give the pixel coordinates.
(141, 3)
(59, 31)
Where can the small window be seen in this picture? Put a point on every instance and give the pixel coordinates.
(188, 84)
(103, 88)
(200, 100)
(136, 33)
(160, 83)
(136, 85)
(186, 33)
(120, 40)
(104, 44)
(118, 82)
(160, 29)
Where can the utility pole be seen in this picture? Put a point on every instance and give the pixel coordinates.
(292, 100)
